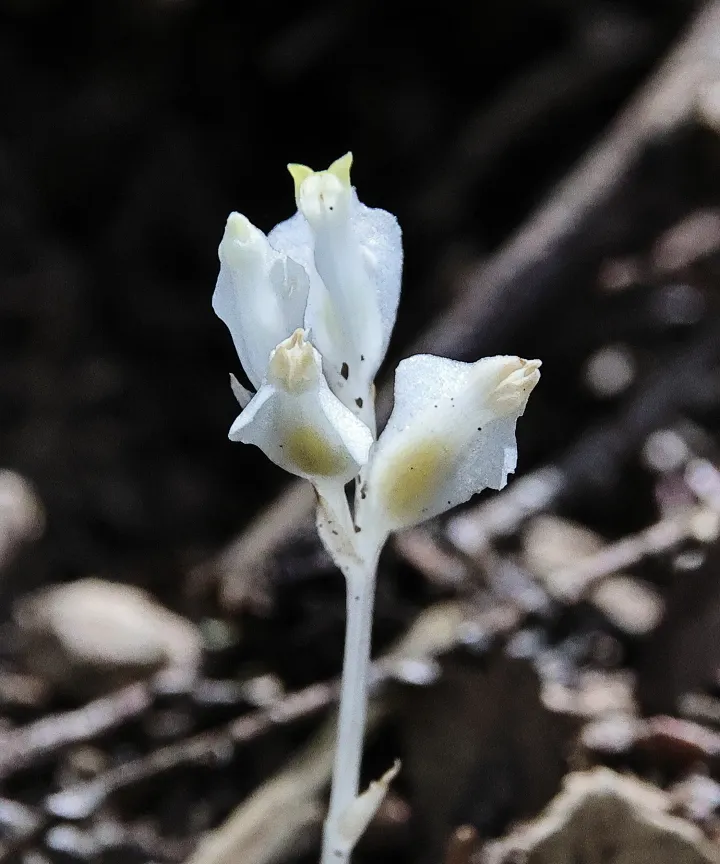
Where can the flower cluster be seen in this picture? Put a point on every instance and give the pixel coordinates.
(310, 308)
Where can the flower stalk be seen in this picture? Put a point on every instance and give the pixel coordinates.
(360, 597)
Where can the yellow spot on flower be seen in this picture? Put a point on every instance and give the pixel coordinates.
(313, 453)
(413, 477)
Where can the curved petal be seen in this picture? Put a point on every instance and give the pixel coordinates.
(299, 424)
(353, 255)
(451, 434)
(260, 294)
(242, 394)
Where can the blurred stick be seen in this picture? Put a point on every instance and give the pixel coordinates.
(512, 284)
(461, 845)
(30, 744)
(83, 799)
(572, 583)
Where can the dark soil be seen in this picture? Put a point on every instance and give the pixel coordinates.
(128, 131)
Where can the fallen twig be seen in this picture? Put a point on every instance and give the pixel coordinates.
(28, 745)
(572, 583)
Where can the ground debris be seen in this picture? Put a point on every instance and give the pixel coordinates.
(554, 168)
(470, 748)
(602, 816)
(555, 549)
(22, 516)
(93, 634)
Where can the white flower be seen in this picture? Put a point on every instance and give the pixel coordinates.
(334, 269)
(260, 294)
(450, 435)
(298, 422)
(352, 255)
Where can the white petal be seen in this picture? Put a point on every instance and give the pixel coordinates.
(336, 529)
(353, 255)
(299, 424)
(378, 233)
(359, 259)
(260, 294)
(451, 434)
(242, 394)
(294, 238)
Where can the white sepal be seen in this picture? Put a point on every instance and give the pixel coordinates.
(336, 529)
(353, 257)
(260, 294)
(450, 435)
(242, 394)
(359, 814)
(299, 424)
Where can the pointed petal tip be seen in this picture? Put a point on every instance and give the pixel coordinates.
(341, 168)
(531, 369)
(239, 227)
(297, 339)
(234, 432)
(242, 394)
(299, 173)
(241, 241)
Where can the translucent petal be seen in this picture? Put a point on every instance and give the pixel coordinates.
(295, 238)
(353, 256)
(298, 422)
(359, 258)
(242, 394)
(378, 232)
(260, 294)
(336, 529)
(451, 434)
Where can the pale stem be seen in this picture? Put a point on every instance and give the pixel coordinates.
(360, 588)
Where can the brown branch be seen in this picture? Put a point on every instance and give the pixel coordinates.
(82, 799)
(30, 744)
(573, 583)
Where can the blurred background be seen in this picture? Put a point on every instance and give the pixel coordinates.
(554, 166)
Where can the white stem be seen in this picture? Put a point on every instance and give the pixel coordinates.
(360, 588)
